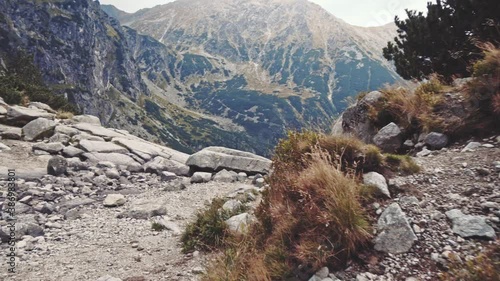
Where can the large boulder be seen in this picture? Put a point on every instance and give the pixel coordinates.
(20, 116)
(355, 119)
(219, 158)
(389, 138)
(38, 129)
(395, 233)
(101, 147)
(436, 140)
(160, 164)
(226, 176)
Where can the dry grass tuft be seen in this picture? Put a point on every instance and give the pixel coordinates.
(310, 216)
(64, 114)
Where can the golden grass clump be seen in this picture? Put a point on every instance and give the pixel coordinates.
(311, 215)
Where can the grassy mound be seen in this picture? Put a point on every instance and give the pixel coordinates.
(311, 215)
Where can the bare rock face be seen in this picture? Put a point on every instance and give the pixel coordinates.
(355, 121)
(219, 158)
(470, 226)
(19, 115)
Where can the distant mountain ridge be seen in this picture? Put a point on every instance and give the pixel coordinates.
(237, 73)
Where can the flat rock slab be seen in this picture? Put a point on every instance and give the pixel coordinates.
(26, 174)
(90, 119)
(115, 158)
(71, 204)
(148, 150)
(219, 158)
(19, 115)
(470, 226)
(97, 130)
(10, 133)
(143, 210)
(395, 233)
(51, 147)
(101, 147)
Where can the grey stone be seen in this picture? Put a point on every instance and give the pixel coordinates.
(436, 140)
(51, 147)
(377, 180)
(167, 176)
(201, 177)
(57, 166)
(42, 106)
(66, 130)
(424, 152)
(10, 133)
(395, 233)
(71, 151)
(147, 150)
(160, 164)
(409, 143)
(97, 130)
(112, 174)
(219, 158)
(176, 184)
(85, 136)
(470, 226)
(240, 223)
(471, 146)
(90, 119)
(58, 137)
(77, 164)
(3, 147)
(114, 200)
(389, 138)
(232, 206)
(101, 147)
(70, 204)
(225, 176)
(259, 182)
(144, 210)
(21, 116)
(116, 158)
(242, 177)
(38, 129)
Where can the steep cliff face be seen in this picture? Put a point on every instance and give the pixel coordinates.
(78, 48)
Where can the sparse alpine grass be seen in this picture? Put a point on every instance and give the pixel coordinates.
(484, 267)
(310, 216)
(401, 163)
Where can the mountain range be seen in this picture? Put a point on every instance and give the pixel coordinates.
(192, 73)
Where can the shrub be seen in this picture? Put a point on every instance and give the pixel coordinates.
(412, 110)
(157, 226)
(485, 267)
(209, 231)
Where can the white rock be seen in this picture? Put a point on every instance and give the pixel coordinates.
(114, 200)
(377, 180)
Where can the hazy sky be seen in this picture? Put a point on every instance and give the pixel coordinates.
(357, 12)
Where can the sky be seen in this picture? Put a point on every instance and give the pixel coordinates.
(356, 12)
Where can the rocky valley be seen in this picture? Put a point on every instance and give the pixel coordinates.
(274, 68)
